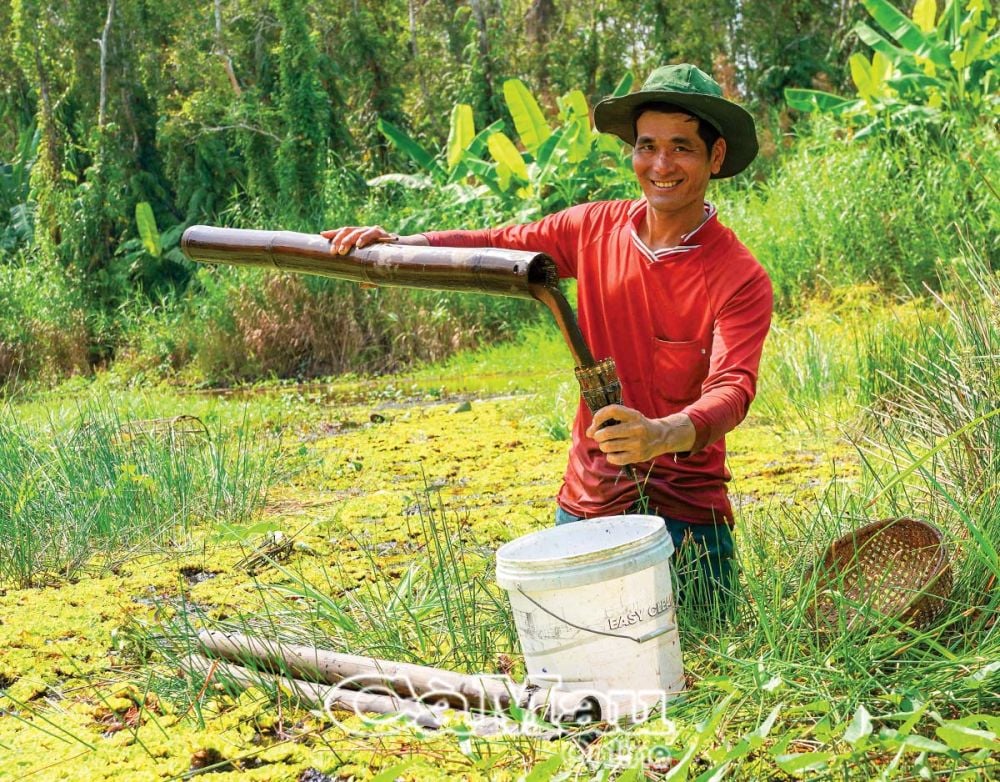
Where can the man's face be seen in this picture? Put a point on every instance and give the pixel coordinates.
(672, 163)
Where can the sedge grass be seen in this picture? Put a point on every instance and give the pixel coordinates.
(95, 493)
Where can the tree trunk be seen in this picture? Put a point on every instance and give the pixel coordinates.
(103, 44)
(220, 49)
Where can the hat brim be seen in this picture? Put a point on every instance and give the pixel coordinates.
(734, 123)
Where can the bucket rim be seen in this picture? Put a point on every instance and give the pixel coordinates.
(651, 533)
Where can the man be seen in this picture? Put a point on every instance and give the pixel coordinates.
(669, 293)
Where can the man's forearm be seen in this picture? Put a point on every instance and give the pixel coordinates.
(413, 239)
(676, 434)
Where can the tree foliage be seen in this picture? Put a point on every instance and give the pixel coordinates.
(275, 113)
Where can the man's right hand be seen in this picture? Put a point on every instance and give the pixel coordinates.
(343, 239)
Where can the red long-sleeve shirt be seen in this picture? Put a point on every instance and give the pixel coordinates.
(685, 326)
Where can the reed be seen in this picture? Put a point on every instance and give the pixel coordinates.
(104, 488)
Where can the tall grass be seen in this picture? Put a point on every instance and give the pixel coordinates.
(934, 423)
(105, 489)
(840, 212)
(442, 610)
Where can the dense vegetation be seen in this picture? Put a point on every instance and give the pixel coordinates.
(121, 124)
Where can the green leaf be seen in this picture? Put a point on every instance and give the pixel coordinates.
(543, 771)
(981, 677)
(546, 159)
(528, 118)
(958, 736)
(894, 22)
(803, 762)
(716, 774)
(881, 70)
(819, 706)
(478, 144)
(148, 232)
(975, 45)
(923, 744)
(624, 86)
(389, 774)
(757, 735)
(816, 100)
(860, 729)
(903, 30)
(924, 12)
(573, 107)
(402, 141)
(880, 44)
(861, 75)
(505, 153)
(461, 133)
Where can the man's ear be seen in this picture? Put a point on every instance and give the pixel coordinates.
(718, 154)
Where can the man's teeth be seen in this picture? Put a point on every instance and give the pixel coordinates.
(671, 183)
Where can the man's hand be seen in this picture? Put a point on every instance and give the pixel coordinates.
(635, 438)
(343, 239)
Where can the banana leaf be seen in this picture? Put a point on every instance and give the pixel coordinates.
(402, 141)
(529, 122)
(461, 133)
(816, 100)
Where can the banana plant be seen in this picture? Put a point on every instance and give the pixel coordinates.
(542, 168)
(924, 69)
(559, 165)
(16, 209)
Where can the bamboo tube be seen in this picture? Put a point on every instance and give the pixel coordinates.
(483, 269)
(482, 693)
(316, 696)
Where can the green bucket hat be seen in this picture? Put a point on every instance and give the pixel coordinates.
(695, 91)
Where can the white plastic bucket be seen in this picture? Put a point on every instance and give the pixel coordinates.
(594, 610)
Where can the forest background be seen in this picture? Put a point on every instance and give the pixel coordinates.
(124, 121)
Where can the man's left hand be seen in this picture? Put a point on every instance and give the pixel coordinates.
(636, 438)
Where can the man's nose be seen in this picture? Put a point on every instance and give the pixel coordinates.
(662, 161)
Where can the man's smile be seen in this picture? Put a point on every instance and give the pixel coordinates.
(666, 184)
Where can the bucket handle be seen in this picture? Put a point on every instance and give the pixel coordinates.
(638, 639)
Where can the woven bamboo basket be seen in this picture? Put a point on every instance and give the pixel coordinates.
(894, 570)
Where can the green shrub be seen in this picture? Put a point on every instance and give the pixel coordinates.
(243, 325)
(43, 330)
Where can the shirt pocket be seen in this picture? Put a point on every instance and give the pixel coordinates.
(681, 368)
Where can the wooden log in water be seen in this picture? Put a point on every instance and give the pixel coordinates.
(462, 691)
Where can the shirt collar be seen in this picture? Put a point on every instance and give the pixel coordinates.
(636, 214)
